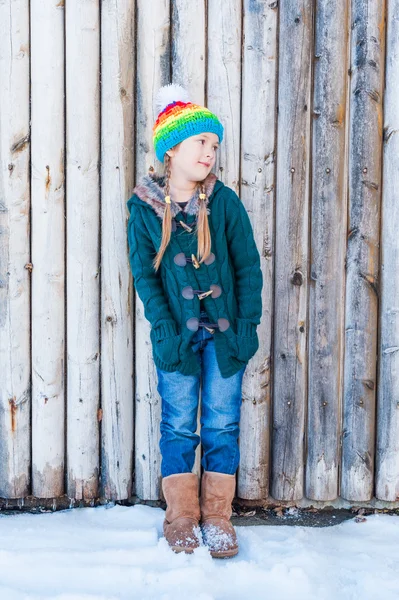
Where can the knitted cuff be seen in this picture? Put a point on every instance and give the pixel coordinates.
(245, 328)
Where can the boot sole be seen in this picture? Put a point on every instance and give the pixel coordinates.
(225, 554)
(214, 554)
(178, 549)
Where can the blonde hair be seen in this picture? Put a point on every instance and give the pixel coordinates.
(203, 232)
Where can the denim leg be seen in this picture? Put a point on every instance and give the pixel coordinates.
(180, 396)
(220, 415)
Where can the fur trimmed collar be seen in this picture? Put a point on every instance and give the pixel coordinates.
(150, 189)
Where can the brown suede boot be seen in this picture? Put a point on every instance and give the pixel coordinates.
(181, 527)
(217, 493)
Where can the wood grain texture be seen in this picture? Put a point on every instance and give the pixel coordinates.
(48, 249)
(117, 312)
(387, 449)
(328, 245)
(15, 262)
(223, 94)
(362, 258)
(313, 156)
(82, 28)
(188, 47)
(257, 185)
(291, 254)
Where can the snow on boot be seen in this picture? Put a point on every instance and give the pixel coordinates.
(181, 527)
(217, 493)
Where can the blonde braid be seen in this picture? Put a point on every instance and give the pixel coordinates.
(203, 232)
(167, 217)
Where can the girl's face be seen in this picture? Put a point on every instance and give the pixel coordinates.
(195, 156)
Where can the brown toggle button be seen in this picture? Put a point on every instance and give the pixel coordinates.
(181, 260)
(210, 259)
(223, 324)
(175, 223)
(195, 261)
(185, 226)
(204, 294)
(193, 323)
(216, 290)
(188, 292)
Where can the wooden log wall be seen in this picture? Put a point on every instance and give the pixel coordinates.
(309, 96)
(387, 434)
(48, 242)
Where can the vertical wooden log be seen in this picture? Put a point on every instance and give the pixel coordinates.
(188, 69)
(362, 260)
(15, 263)
(292, 209)
(48, 247)
(328, 244)
(257, 193)
(224, 84)
(83, 228)
(153, 71)
(117, 172)
(189, 47)
(387, 455)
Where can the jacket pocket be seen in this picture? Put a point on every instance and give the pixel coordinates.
(243, 346)
(246, 347)
(231, 339)
(168, 348)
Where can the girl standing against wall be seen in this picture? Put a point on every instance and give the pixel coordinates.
(196, 269)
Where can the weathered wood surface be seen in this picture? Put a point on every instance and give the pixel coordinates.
(257, 193)
(318, 179)
(291, 251)
(48, 248)
(362, 258)
(387, 454)
(15, 267)
(153, 70)
(327, 250)
(188, 48)
(117, 310)
(223, 94)
(82, 29)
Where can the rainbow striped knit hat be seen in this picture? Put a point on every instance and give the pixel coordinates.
(178, 119)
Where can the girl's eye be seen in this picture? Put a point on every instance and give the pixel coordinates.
(203, 142)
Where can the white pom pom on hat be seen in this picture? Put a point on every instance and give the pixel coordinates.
(168, 94)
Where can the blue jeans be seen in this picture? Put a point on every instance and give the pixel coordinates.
(220, 413)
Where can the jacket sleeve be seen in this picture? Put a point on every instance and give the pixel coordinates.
(146, 280)
(246, 263)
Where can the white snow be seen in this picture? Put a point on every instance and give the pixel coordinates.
(118, 552)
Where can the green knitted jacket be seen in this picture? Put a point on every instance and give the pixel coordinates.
(170, 296)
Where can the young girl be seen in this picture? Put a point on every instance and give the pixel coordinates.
(196, 269)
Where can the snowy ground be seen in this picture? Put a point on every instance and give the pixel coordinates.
(119, 553)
